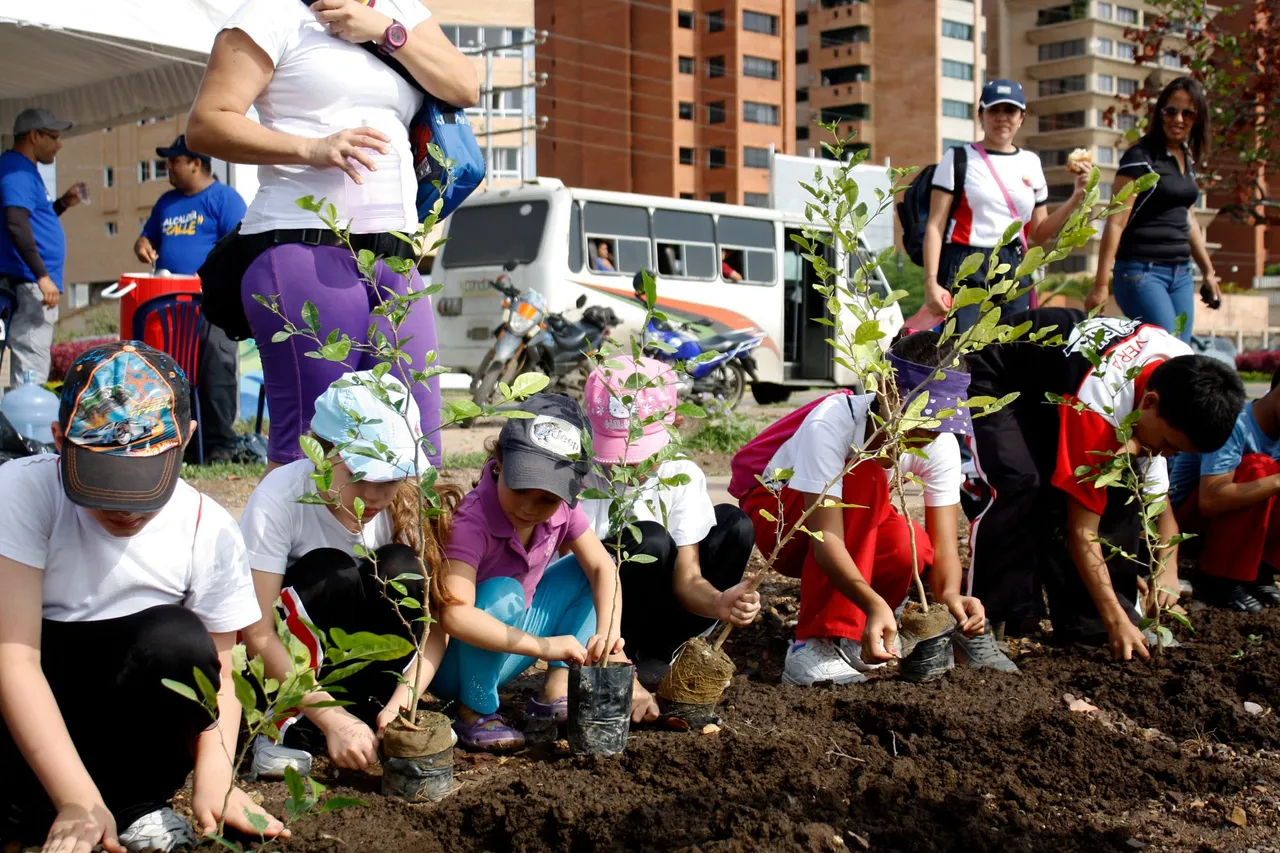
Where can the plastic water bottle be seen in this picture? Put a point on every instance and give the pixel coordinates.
(31, 409)
(376, 204)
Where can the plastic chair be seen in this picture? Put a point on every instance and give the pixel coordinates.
(180, 319)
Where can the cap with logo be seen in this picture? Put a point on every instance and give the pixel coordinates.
(38, 118)
(545, 451)
(179, 149)
(1003, 92)
(620, 388)
(124, 415)
(377, 432)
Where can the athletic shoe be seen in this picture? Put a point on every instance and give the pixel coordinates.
(1267, 593)
(160, 831)
(818, 659)
(852, 650)
(489, 733)
(271, 759)
(981, 652)
(1230, 595)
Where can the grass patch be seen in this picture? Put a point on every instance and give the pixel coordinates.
(1254, 376)
(474, 459)
(723, 435)
(224, 471)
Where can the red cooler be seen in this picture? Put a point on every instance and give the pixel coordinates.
(135, 288)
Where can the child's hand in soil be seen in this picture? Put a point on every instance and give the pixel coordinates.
(565, 648)
(1168, 587)
(1126, 640)
(207, 809)
(738, 605)
(878, 638)
(599, 645)
(971, 616)
(352, 744)
(80, 826)
(644, 706)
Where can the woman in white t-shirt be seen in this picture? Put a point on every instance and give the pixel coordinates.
(334, 125)
(116, 576)
(974, 216)
(699, 550)
(308, 561)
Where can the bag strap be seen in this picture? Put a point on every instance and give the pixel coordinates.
(1008, 199)
(959, 175)
(390, 61)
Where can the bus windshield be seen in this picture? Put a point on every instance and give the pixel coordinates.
(492, 234)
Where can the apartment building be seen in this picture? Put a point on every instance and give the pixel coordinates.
(1075, 64)
(125, 177)
(905, 76)
(669, 97)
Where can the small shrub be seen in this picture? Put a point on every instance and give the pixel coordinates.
(64, 355)
(1263, 361)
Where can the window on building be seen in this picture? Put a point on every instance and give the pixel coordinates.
(1104, 11)
(1126, 15)
(953, 143)
(755, 199)
(757, 113)
(802, 17)
(716, 158)
(1059, 193)
(159, 170)
(758, 66)
(686, 110)
(1061, 85)
(802, 132)
(1060, 14)
(716, 197)
(1127, 86)
(957, 70)
(1062, 121)
(1127, 121)
(1106, 155)
(1055, 157)
(684, 19)
(112, 229)
(1061, 49)
(759, 22)
(1171, 60)
(715, 112)
(144, 171)
(686, 65)
(625, 230)
(505, 164)
(715, 66)
(957, 109)
(108, 176)
(1126, 50)
(686, 156)
(957, 30)
(1104, 47)
(1105, 84)
(846, 112)
(847, 74)
(715, 21)
(686, 244)
(802, 95)
(847, 35)
(802, 57)
(688, 196)
(755, 158)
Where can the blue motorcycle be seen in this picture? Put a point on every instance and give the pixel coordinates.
(716, 364)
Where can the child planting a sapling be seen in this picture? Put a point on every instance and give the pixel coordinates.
(506, 598)
(699, 550)
(1228, 499)
(116, 576)
(332, 541)
(1050, 516)
(857, 567)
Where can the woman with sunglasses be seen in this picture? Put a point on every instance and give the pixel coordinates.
(1153, 240)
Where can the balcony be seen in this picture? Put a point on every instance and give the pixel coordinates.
(844, 15)
(821, 97)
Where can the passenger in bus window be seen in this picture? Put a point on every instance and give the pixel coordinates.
(726, 266)
(699, 550)
(603, 261)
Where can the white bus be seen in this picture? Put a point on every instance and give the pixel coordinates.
(553, 233)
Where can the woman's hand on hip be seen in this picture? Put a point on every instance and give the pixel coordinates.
(344, 149)
(351, 20)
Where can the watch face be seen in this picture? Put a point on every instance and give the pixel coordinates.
(397, 35)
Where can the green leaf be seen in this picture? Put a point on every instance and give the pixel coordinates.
(207, 691)
(334, 804)
(311, 316)
(357, 506)
(337, 351)
(258, 821)
(342, 672)
(691, 410)
(312, 449)
(1011, 232)
(1033, 260)
(970, 265)
(367, 646)
(642, 559)
(293, 782)
(1180, 619)
(527, 384)
(245, 694)
(969, 296)
(181, 689)
(766, 515)
(218, 839)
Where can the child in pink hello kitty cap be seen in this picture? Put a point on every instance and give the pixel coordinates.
(700, 550)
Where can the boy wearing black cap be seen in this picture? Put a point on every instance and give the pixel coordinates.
(117, 575)
(510, 601)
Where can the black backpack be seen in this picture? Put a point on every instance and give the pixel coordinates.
(913, 210)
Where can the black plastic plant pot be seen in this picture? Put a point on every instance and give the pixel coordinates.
(930, 660)
(417, 763)
(694, 715)
(600, 708)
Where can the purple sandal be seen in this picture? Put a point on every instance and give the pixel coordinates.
(556, 712)
(490, 733)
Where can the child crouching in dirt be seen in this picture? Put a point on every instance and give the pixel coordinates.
(1045, 523)
(305, 563)
(853, 577)
(700, 550)
(507, 600)
(1228, 499)
(116, 575)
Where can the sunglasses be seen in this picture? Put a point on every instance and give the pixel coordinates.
(51, 134)
(1174, 112)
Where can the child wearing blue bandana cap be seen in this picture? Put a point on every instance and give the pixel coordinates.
(853, 577)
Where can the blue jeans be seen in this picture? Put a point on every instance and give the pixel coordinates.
(562, 604)
(1155, 293)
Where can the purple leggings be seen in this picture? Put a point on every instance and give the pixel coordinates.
(327, 276)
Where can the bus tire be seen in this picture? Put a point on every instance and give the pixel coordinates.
(769, 393)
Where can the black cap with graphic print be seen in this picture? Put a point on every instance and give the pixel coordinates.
(545, 451)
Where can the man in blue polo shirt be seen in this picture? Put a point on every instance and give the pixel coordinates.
(33, 248)
(184, 224)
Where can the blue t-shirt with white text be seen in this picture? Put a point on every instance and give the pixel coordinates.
(1247, 437)
(21, 186)
(183, 228)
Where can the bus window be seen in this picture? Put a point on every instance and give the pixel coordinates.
(575, 238)
(686, 244)
(877, 283)
(492, 234)
(760, 267)
(748, 248)
(622, 232)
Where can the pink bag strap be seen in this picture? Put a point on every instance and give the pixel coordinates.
(1008, 199)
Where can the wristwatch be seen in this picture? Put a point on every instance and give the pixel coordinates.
(393, 39)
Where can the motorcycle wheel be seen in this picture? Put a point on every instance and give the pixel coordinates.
(487, 388)
(733, 381)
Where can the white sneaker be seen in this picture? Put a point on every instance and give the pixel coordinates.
(818, 659)
(271, 759)
(852, 650)
(160, 831)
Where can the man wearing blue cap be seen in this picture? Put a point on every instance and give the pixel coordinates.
(184, 224)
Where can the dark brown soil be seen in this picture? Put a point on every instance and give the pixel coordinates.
(977, 761)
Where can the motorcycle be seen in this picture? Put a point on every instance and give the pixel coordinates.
(533, 339)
